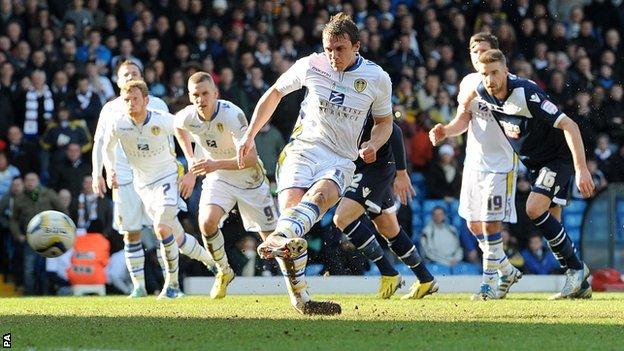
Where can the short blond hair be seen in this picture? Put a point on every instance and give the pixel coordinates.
(340, 25)
(139, 84)
(199, 77)
(491, 56)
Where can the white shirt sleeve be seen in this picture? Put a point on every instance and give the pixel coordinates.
(97, 161)
(238, 124)
(179, 119)
(156, 103)
(382, 106)
(294, 78)
(109, 143)
(168, 123)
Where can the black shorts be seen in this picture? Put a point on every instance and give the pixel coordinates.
(372, 187)
(553, 180)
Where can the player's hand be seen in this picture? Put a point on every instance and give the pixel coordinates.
(112, 180)
(187, 184)
(437, 134)
(98, 184)
(403, 187)
(584, 182)
(243, 147)
(203, 167)
(368, 152)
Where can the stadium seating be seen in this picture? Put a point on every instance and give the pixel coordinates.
(438, 269)
(466, 268)
(314, 269)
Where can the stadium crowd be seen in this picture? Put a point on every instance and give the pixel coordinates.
(57, 69)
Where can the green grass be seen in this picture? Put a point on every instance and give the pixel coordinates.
(443, 322)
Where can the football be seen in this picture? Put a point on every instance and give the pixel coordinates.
(51, 233)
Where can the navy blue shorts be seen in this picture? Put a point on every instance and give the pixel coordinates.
(553, 180)
(372, 187)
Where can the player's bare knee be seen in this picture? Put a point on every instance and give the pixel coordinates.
(343, 221)
(210, 227)
(476, 228)
(132, 236)
(163, 231)
(492, 227)
(534, 211)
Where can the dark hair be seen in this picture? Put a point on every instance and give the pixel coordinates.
(340, 25)
(486, 37)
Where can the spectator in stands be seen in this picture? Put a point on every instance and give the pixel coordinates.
(604, 153)
(62, 132)
(71, 171)
(443, 111)
(22, 153)
(126, 53)
(8, 94)
(231, 91)
(8, 172)
(538, 259)
(512, 249)
(88, 207)
(90, 257)
(614, 113)
(79, 16)
(85, 104)
(156, 87)
(244, 259)
(443, 180)
(61, 89)
(99, 83)
(34, 199)
(419, 150)
(93, 49)
(38, 106)
(269, 144)
(7, 202)
(439, 240)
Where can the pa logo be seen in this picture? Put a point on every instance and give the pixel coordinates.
(6, 341)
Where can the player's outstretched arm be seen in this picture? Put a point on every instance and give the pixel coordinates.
(382, 129)
(261, 115)
(459, 124)
(573, 138)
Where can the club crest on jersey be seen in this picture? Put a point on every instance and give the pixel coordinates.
(359, 85)
(155, 130)
(336, 98)
(220, 127)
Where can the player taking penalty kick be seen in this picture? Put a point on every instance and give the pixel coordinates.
(316, 167)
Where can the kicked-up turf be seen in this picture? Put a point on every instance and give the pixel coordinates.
(439, 322)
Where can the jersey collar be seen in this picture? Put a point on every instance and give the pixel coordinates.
(147, 119)
(356, 64)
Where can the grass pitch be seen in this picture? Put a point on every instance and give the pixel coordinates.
(441, 322)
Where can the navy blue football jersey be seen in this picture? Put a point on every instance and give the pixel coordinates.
(384, 154)
(529, 120)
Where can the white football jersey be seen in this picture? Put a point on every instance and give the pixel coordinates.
(337, 103)
(147, 147)
(109, 112)
(487, 149)
(217, 139)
